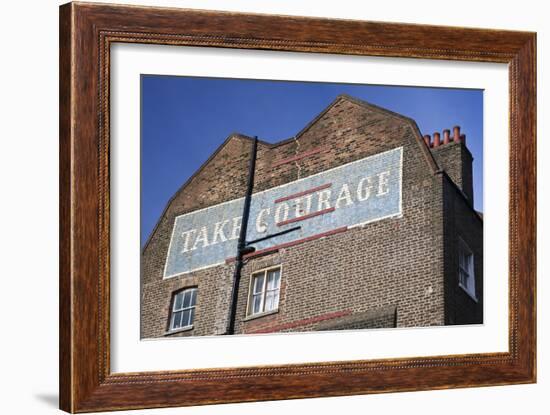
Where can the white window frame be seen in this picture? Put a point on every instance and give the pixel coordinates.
(250, 304)
(469, 286)
(191, 306)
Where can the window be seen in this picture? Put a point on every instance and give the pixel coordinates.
(264, 291)
(183, 309)
(466, 277)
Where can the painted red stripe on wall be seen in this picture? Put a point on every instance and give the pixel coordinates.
(311, 215)
(305, 192)
(289, 244)
(299, 323)
(300, 156)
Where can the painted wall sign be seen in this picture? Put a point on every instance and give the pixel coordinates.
(349, 195)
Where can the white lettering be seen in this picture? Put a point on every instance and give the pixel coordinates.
(383, 183)
(236, 227)
(203, 237)
(302, 210)
(261, 225)
(186, 236)
(308, 203)
(218, 232)
(324, 199)
(363, 193)
(344, 195)
(278, 213)
(299, 208)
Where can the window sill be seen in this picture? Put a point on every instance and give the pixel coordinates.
(472, 296)
(180, 330)
(260, 315)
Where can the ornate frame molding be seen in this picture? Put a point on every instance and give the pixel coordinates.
(86, 33)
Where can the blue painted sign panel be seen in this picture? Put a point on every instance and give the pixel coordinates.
(349, 195)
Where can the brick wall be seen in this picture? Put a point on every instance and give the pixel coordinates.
(382, 317)
(456, 160)
(394, 264)
(461, 222)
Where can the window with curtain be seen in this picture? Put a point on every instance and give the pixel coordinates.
(264, 291)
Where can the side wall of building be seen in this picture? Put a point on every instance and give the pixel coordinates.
(461, 222)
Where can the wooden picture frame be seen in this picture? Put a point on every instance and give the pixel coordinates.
(86, 33)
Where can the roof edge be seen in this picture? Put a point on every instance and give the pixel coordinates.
(229, 138)
(428, 156)
(432, 163)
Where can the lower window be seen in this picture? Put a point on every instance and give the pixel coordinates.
(183, 309)
(466, 276)
(264, 291)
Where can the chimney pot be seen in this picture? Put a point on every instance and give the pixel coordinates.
(427, 140)
(456, 133)
(446, 134)
(463, 138)
(437, 140)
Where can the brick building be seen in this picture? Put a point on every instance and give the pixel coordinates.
(388, 235)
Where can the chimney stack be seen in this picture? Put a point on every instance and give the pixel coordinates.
(427, 140)
(456, 133)
(455, 159)
(446, 134)
(437, 140)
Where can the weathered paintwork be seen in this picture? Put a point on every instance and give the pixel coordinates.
(352, 194)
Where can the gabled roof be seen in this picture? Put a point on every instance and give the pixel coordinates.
(412, 123)
(342, 97)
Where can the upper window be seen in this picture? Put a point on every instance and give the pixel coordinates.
(183, 309)
(264, 291)
(466, 277)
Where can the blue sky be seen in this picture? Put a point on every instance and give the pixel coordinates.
(184, 120)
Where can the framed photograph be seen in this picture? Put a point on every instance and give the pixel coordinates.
(259, 207)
